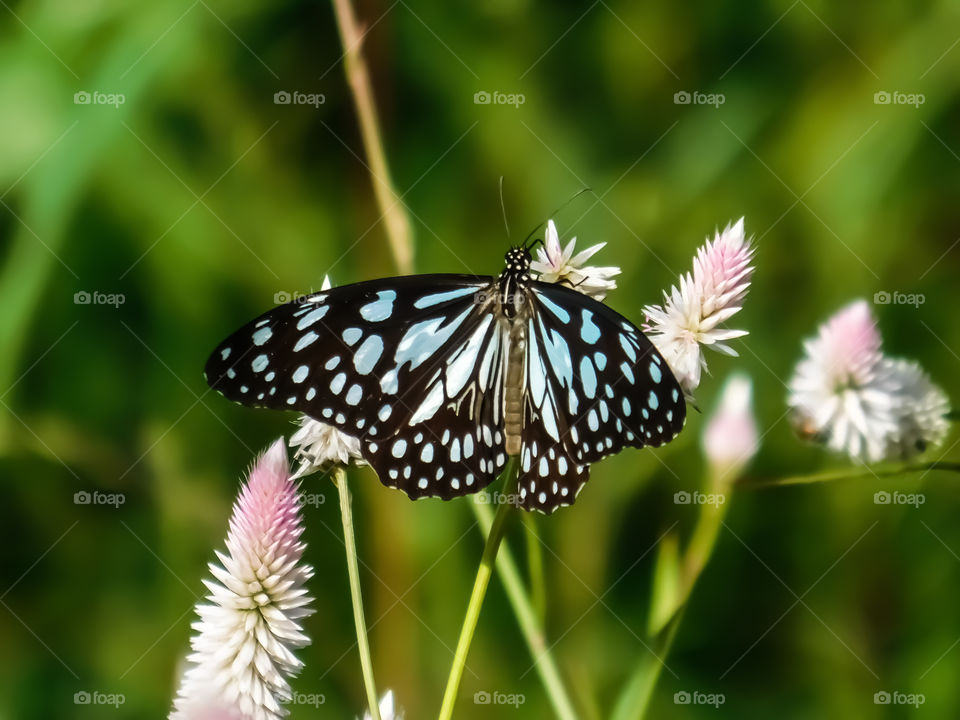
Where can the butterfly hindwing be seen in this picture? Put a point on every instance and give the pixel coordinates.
(594, 385)
(450, 440)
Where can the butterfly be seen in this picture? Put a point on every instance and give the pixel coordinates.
(442, 377)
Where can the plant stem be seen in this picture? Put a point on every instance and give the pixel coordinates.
(538, 589)
(490, 549)
(531, 624)
(349, 541)
(634, 700)
(397, 222)
(857, 472)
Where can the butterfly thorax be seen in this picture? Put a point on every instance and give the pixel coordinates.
(514, 284)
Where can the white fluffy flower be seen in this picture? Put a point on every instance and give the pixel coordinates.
(692, 313)
(559, 265)
(730, 439)
(250, 625)
(848, 395)
(388, 711)
(319, 445)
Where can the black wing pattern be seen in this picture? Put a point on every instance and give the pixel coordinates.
(594, 384)
(409, 365)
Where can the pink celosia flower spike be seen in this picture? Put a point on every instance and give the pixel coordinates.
(249, 627)
(692, 313)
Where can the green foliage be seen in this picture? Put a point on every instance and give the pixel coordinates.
(198, 199)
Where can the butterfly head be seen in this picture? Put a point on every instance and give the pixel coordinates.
(514, 280)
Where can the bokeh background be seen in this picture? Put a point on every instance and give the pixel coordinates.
(198, 199)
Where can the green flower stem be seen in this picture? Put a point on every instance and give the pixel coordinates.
(538, 589)
(857, 472)
(397, 223)
(531, 623)
(634, 701)
(350, 542)
(490, 549)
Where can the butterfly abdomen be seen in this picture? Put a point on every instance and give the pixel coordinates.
(513, 390)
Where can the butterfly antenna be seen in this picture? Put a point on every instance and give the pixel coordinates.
(503, 209)
(530, 245)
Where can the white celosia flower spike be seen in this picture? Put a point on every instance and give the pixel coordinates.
(730, 440)
(691, 313)
(388, 710)
(319, 445)
(847, 394)
(249, 626)
(559, 265)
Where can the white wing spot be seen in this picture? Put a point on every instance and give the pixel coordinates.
(399, 448)
(306, 340)
(260, 363)
(300, 374)
(354, 395)
(336, 385)
(262, 335)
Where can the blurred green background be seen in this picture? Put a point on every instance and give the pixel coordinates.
(198, 199)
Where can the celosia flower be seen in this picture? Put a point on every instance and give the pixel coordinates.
(846, 393)
(559, 265)
(319, 445)
(691, 314)
(249, 626)
(730, 438)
